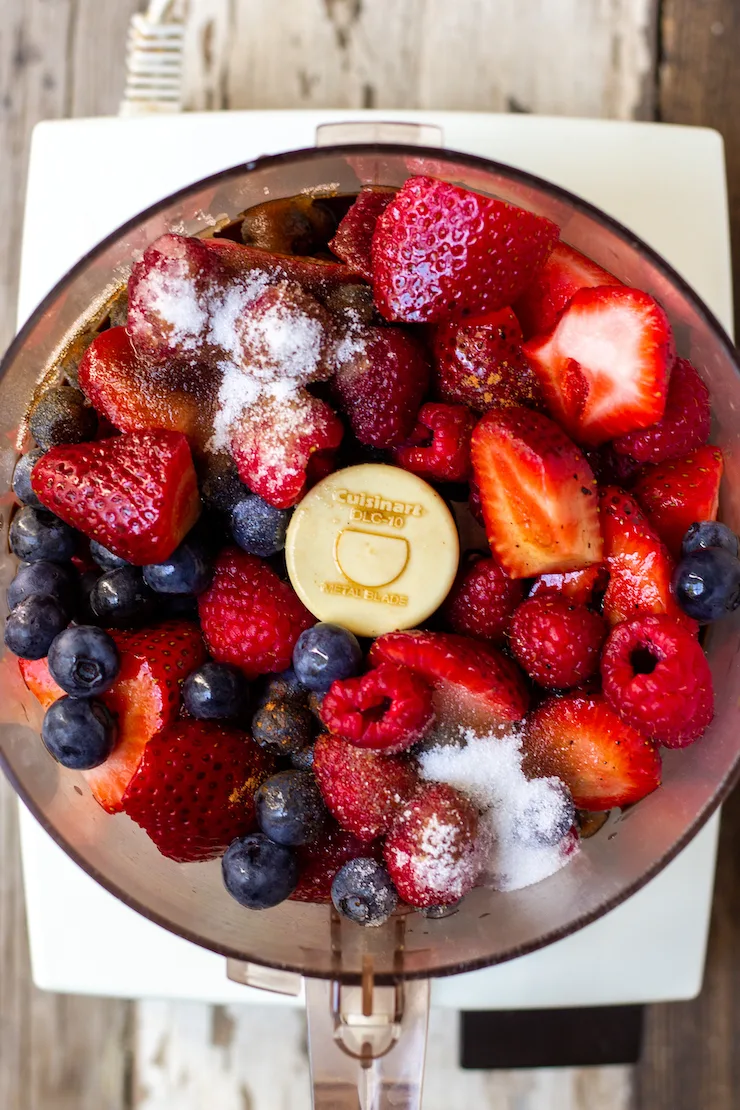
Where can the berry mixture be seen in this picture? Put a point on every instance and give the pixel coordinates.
(207, 678)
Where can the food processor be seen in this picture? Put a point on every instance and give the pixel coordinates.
(368, 990)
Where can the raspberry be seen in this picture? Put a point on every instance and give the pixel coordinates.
(363, 789)
(475, 504)
(249, 616)
(657, 678)
(482, 364)
(387, 709)
(482, 600)
(440, 448)
(557, 643)
(380, 383)
(430, 851)
(685, 423)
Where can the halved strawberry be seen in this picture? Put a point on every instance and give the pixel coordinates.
(441, 252)
(604, 367)
(677, 493)
(35, 674)
(193, 792)
(640, 568)
(565, 272)
(685, 424)
(474, 685)
(579, 586)
(321, 860)
(537, 492)
(136, 494)
(601, 759)
(353, 240)
(145, 697)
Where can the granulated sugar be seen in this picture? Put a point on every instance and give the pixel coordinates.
(518, 816)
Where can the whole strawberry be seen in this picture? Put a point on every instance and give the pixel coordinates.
(657, 678)
(440, 447)
(388, 709)
(556, 642)
(382, 376)
(483, 365)
(685, 424)
(441, 252)
(194, 790)
(250, 617)
(363, 789)
(319, 862)
(677, 493)
(353, 240)
(482, 600)
(430, 851)
(136, 494)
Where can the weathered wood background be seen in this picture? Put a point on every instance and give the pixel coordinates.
(673, 60)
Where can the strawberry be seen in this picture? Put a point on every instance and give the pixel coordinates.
(601, 759)
(482, 364)
(556, 642)
(581, 587)
(321, 860)
(564, 273)
(685, 424)
(657, 678)
(474, 685)
(353, 240)
(604, 367)
(135, 395)
(318, 276)
(136, 494)
(640, 568)
(440, 448)
(145, 697)
(441, 252)
(677, 493)
(430, 851)
(250, 617)
(382, 376)
(482, 600)
(388, 709)
(35, 674)
(537, 493)
(282, 445)
(193, 792)
(363, 789)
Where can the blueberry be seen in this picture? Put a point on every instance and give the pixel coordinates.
(290, 809)
(325, 653)
(22, 477)
(257, 527)
(285, 685)
(302, 760)
(284, 725)
(122, 598)
(106, 559)
(62, 416)
(363, 892)
(220, 486)
(437, 913)
(315, 701)
(37, 534)
(32, 626)
(544, 813)
(215, 691)
(44, 578)
(259, 873)
(86, 585)
(79, 732)
(707, 584)
(187, 571)
(709, 533)
(84, 661)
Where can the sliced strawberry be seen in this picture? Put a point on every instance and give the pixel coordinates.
(677, 493)
(193, 792)
(604, 367)
(579, 586)
(321, 860)
(136, 395)
(565, 272)
(482, 364)
(537, 492)
(601, 759)
(354, 238)
(685, 424)
(443, 253)
(35, 674)
(474, 685)
(640, 568)
(145, 697)
(136, 494)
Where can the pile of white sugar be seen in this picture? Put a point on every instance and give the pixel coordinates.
(524, 825)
